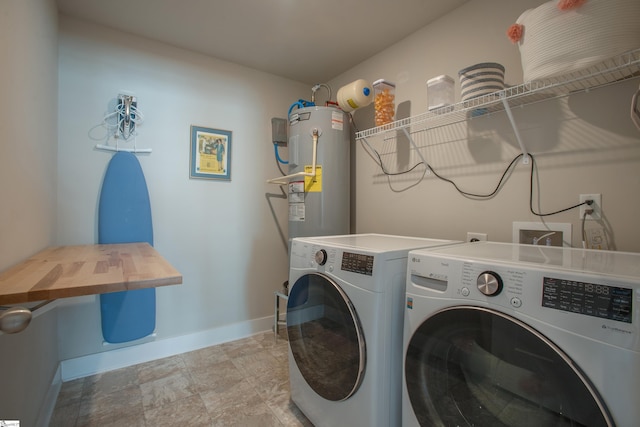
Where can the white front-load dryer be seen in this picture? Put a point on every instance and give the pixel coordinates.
(344, 325)
(521, 335)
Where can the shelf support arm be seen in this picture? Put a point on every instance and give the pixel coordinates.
(507, 108)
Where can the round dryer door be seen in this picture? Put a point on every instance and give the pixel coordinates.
(471, 366)
(325, 337)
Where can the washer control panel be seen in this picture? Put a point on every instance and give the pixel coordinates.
(321, 257)
(489, 283)
(602, 307)
(471, 280)
(499, 284)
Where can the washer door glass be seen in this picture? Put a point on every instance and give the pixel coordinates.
(325, 337)
(470, 366)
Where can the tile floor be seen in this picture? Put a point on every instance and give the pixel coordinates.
(240, 383)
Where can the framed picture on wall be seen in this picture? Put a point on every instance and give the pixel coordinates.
(210, 153)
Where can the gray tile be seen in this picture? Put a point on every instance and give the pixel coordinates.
(205, 357)
(70, 392)
(271, 381)
(217, 377)
(230, 400)
(242, 383)
(281, 351)
(167, 389)
(189, 411)
(256, 416)
(129, 420)
(109, 407)
(111, 381)
(65, 415)
(242, 347)
(287, 411)
(160, 368)
(255, 363)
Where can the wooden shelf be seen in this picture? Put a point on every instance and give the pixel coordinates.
(71, 271)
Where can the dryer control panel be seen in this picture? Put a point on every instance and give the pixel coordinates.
(602, 308)
(592, 299)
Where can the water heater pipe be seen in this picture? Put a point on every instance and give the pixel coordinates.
(283, 180)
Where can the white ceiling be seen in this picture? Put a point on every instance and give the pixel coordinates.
(311, 41)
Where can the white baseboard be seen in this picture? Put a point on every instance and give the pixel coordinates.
(127, 356)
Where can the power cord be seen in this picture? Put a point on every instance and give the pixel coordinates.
(588, 202)
(587, 211)
(378, 160)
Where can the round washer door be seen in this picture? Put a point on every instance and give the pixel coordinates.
(471, 366)
(325, 337)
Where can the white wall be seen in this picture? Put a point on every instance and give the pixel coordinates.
(228, 239)
(583, 144)
(28, 167)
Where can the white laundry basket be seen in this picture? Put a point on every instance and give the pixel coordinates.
(558, 42)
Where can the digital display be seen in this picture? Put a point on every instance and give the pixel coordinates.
(607, 302)
(357, 263)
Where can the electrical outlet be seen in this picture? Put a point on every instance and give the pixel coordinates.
(596, 206)
(476, 237)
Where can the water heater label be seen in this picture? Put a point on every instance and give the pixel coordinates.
(296, 187)
(296, 211)
(337, 121)
(313, 184)
(296, 201)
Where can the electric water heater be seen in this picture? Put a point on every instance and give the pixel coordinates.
(319, 147)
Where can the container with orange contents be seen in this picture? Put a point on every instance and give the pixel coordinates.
(384, 101)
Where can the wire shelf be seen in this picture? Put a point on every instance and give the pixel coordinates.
(613, 70)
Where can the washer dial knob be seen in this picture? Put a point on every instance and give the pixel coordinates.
(489, 283)
(321, 257)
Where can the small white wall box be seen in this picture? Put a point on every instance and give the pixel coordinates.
(542, 234)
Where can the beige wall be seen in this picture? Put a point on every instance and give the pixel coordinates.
(583, 144)
(28, 173)
(225, 237)
(28, 128)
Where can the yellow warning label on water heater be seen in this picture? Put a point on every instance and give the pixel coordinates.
(313, 184)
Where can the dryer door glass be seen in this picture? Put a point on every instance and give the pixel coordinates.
(470, 366)
(325, 337)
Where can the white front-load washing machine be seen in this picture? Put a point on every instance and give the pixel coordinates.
(344, 325)
(521, 335)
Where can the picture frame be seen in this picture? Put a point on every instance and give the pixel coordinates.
(210, 153)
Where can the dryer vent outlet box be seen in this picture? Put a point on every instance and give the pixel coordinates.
(543, 234)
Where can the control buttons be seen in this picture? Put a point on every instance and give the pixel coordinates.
(321, 257)
(489, 283)
(465, 292)
(516, 302)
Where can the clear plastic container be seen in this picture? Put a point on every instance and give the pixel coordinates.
(384, 101)
(440, 92)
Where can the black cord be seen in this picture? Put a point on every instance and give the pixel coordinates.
(531, 196)
(474, 195)
(479, 196)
